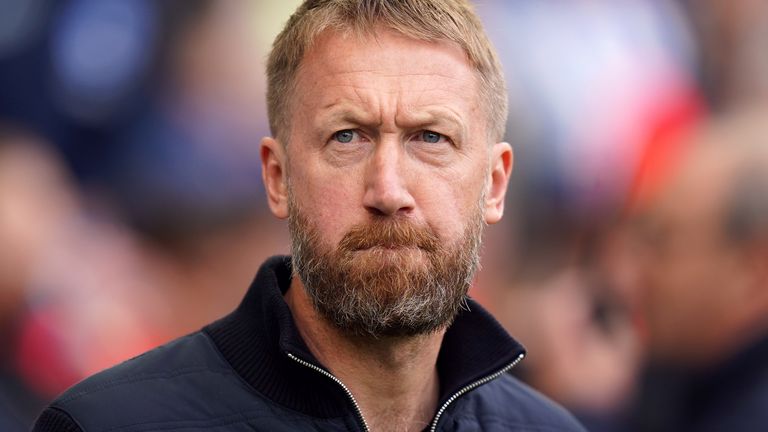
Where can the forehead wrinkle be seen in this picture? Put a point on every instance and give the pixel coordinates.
(345, 113)
(404, 108)
(394, 106)
(414, 117)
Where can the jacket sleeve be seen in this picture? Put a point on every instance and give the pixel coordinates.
(55, 420)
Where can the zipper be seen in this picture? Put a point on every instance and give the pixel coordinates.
(338, 381)
(472, 386)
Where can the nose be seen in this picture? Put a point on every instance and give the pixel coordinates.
(386, 191)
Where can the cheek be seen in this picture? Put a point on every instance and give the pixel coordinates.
(685, 287)
(695, 272)
(330, 202)
(449, 199)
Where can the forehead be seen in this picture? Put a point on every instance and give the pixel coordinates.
(386, 67)
(382, 49)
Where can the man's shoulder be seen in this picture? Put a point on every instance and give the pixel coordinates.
(188, 355)
(509, 404)
(147, 389)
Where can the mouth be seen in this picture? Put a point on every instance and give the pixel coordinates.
(388, 246)
(390, 253)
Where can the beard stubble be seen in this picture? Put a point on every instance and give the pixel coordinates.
(387, 277)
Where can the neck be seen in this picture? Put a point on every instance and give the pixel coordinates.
(393, 379)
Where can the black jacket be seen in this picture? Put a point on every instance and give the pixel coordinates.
(252, 371)
(731, 396)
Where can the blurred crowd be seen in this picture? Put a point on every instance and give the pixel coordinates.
(632, 262)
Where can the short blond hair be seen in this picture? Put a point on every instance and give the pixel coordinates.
(427, 20)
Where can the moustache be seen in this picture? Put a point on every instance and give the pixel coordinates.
(390, 234)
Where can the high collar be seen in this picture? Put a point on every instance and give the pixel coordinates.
(257, 337)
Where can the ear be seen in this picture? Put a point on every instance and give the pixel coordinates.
(273, 172)
(501, 168)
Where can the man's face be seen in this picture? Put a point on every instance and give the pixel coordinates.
(690, 268)
(387, 178)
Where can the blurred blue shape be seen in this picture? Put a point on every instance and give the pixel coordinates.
(101, 50)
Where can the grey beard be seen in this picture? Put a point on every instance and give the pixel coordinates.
(385, 293)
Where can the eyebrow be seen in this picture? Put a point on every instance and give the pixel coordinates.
(346, 114)
(335, 114)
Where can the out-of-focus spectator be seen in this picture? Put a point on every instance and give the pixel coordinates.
(584, 349)
(190, 160)
(704, 249)
(57, 261)
(597, 88)
(80, 292)
(23, 232)
(157, 106)
(132, 212)
(733, 64)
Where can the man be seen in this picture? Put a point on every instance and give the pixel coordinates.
(705, 273)
(386, 161)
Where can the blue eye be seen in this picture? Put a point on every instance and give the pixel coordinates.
(344, 136)
(431, 137)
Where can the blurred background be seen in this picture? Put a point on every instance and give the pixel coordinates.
(632, 261)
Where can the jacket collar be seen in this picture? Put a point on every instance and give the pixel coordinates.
(257, 336)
